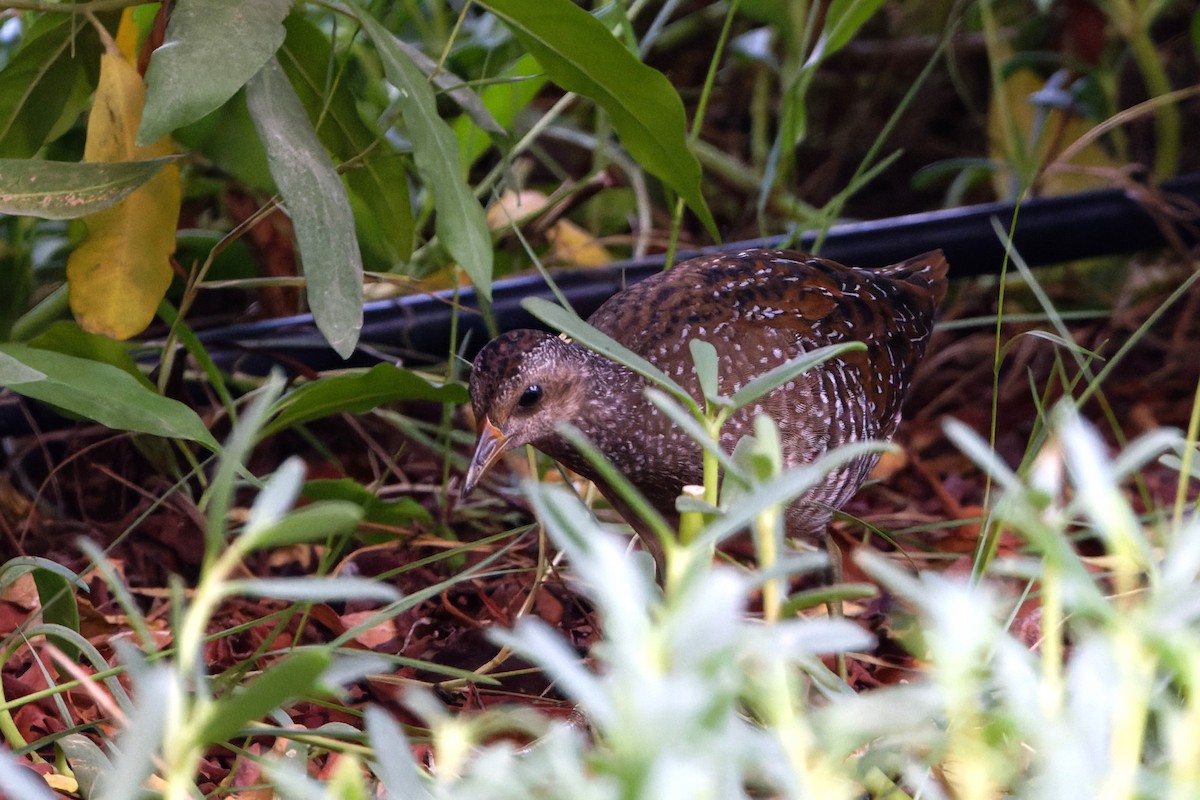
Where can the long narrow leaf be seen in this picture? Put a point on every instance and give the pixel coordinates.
(394, 760)
(316, 199)
(212, 48)
(294, 676)
(99, 392)
(379, 180)
(460, 222)
(619, 484)
(313, 523)
(142, 736)
(789, 370)
(40, 83)
(315, 590)
(785, 488)
(582, 56)
(66, 190)
(358, 393)
(692, 427)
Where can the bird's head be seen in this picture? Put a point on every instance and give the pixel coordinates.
(523, 384)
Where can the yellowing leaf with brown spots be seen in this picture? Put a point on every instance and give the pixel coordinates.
(121, 270)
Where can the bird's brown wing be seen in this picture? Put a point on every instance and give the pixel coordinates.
(762, 307)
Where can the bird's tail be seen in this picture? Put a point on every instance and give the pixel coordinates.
(928, 269)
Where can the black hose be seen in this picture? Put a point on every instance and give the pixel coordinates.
(416, 329)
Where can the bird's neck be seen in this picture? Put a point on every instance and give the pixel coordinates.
(632, 434)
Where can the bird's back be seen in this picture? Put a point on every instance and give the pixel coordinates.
(753, 303)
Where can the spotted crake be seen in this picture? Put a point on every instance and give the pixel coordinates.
(758, 308)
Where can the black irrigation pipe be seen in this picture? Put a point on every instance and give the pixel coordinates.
(417, 329)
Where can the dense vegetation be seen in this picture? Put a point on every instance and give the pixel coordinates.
(219, 583)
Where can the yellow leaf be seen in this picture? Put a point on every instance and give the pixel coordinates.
(127, 36)
(120, 272)
(62, 783)
(571, 244)
(1087, 170)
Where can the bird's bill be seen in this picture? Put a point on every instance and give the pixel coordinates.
(488, 450)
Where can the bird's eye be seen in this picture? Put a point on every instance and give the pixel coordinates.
(530, 397)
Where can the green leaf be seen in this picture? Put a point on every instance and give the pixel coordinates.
(788, 370)
(399, 513)
(977, 449)
(704, 357)
(16, 567)
(692, 427)
(66, 190)
(316, 590)
(98, 392)
(520, 83)
(842, 21)
(277, 498)
(460, 222)
(56, 587)
(47, 80)
(397, 771)
(133, 751)
(228, 139)
(88, 762)
(316, 200)
(357, 393)
(378, 181)
(212, 48)
(313, 523)
(786, 487)
(70, 339)
(56, 592)
(238, 446)
(294, 676)
(619, 484)
(580, 54)
(454, 87)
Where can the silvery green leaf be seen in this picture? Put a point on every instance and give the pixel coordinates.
(277, 497)
(315, 590)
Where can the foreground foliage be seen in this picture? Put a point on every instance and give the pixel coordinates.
(1068, 666)
(687, 695)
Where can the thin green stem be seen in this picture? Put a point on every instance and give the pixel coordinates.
(698, 123)
(768, 555)
(989, 539)
(712, 470)
(8, 726)
(1187, 457)
(1129, 711)
(49, 309)
(1051, 645)
(1134, 24)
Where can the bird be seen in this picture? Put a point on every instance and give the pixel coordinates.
(758, 308)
